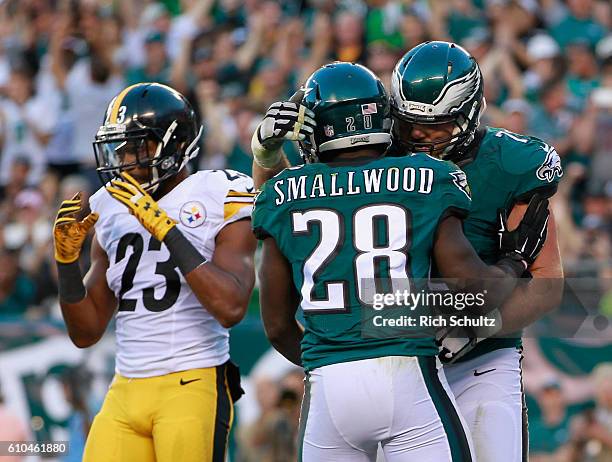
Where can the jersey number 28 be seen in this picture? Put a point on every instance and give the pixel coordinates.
(368, 256)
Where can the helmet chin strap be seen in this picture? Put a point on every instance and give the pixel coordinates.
(470, 138)
(153, 184)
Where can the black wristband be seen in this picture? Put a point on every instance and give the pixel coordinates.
(71, 288)
(512, 264)
(184, 254)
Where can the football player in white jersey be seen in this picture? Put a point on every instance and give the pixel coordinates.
(172, 255)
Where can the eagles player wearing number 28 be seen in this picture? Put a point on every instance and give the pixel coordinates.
(172, 254)
(334, 226)
(436, 103)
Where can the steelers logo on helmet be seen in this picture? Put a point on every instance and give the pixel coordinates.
(192, 214)
(150, 130)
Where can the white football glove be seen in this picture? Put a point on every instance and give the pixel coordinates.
(453, 347)
(284, 120)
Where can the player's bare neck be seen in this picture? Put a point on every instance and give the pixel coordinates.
(356, 156)
(168, 185)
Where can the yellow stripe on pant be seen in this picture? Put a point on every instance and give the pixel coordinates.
(182, 416)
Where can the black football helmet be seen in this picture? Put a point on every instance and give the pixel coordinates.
(141, 113)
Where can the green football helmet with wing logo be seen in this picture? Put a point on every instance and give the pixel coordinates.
(351, 108)
(437, 83)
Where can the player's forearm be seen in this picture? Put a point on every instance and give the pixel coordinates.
(279, 301)
(534, 298)
(286, 338)
(460, 264)
(78, 309)
(469, 274)
(529, 302)
(81, 318)
(261, 175)
(495, 283)
(224, 295)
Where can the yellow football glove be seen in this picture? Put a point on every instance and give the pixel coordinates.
(68, 233)
(142, 206)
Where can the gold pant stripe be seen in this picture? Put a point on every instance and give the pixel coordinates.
(224, 417)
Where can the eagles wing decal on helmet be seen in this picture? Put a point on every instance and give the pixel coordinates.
(456, 92)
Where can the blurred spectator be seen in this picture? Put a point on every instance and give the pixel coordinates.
(240, 157)
(26, 122)
(87, 85)
(19, 172)
(596, 131)
(382, 57)
(549, 435)
(17, 290)
(577, 24)
(458, 17)
(273, 438)
(583, 75)
(350, 40)
(543, 63)
(269, 84)
(254, 447)
(11, 429)
(592, 431)
(515, 113)
(75, 383)
(550, 119)
(156, 67)
(383, 22)
(294, 381)
(29, 230)
(414, 29)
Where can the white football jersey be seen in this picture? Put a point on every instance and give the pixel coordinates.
(161, 326)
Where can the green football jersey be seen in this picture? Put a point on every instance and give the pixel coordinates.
(507, 169)
(346, 228)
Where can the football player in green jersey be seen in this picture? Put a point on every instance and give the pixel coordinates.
(333, 228)
(437, 100)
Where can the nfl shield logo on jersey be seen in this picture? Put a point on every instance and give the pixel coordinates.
(192, 214)
(329, 130)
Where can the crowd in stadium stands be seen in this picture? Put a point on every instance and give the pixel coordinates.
(547, 66)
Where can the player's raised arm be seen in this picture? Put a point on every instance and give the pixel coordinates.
(284, 120)
(457, 259)
(261, 174)
(86, 307)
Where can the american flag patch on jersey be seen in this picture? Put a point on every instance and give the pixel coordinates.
(369, 108)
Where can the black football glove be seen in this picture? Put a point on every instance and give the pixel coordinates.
(525, 242)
